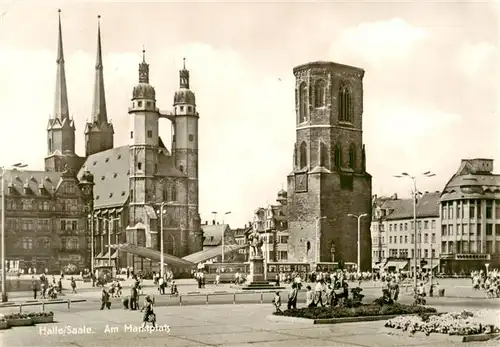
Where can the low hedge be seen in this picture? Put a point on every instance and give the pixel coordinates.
(360, 311)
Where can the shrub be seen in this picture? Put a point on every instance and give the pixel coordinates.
(360, 311)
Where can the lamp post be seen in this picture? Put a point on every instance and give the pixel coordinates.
(432, 257)
(4, 273)
(161, 212)
(91, 222)
(359, 236)
(317, 243)
(415, 194)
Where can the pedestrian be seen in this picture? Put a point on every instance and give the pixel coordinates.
(277, 302)
(34, 286)
(149, 315)
(73, 285)
(310, 297)
(292, 297)
(105, 299)
(133, 297)
(277, 280)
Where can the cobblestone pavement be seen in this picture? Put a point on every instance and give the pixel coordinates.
(218, 325)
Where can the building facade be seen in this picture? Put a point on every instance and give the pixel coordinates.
(129, 185)
(329, 178)
(393, 233)
(271, 222)
(45, 222)
(470, 218)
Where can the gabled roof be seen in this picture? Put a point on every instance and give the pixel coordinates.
(19, 179)
(213, 234)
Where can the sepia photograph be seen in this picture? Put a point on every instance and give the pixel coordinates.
(249, 173)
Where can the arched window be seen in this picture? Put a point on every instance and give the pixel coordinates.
(308, 246)
(323, 155)
(338, 156)
(319, 93)
(50, 145)
(352, 157)
(173, 194)
(303, 155)
(302, 102)
(345, 104)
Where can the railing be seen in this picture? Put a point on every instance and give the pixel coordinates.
(41, 303)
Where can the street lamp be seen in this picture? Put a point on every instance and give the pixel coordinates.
(359, 236)
(91, 222)
(317, 243)
(4, 273)
(415, 194)
(161, 212)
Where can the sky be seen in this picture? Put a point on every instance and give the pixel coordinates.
(430, 87)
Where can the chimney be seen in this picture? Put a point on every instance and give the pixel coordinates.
(213, 222)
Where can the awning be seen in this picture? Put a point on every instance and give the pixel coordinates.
(202, 256)
(400, 265)
(153, 255)
(428, 266)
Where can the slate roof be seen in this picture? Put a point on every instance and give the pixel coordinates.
(111, 175)
(213, 234)
(427, 206)
(32, 179)
(111, 171)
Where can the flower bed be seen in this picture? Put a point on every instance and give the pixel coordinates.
(455, 323)
(41, 317)
(359, 311)
(18, 319)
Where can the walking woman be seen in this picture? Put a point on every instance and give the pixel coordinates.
(149, 315)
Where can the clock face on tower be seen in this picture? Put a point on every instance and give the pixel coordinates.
(301, 182)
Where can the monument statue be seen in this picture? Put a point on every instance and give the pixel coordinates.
(255, 242)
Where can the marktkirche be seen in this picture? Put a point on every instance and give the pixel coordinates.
(54, 208)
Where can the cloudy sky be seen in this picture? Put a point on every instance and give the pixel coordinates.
(431, 83)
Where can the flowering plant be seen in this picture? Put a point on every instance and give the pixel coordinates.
(454, 323)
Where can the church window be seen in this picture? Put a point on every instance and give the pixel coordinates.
(139, 166)
(131, 194)
(182, 108)
(139, 103)
(156, 168)
(303, 155)
(319, 93)
(173, 195)
(165, 195)
(352, 157)
(323, 155)
(189, 108)
(150, 133)
(131, 134)
(50, 145)
(181, 168)
(345, 104)
(338, 156)
(302, 102)
(191, 137)
(148, 103)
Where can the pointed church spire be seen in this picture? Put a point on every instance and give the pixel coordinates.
(99, 113)
(61, 108)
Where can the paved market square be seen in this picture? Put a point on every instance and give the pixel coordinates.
(215, 325)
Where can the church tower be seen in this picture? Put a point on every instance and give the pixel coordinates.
(61, 127)
(144, 151)
(186, 154)
(98, 131)
(329, 178)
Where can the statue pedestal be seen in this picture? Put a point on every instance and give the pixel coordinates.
(256, 278)
(256, 270)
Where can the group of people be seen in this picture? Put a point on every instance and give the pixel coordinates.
(490, 282)
(48, 290)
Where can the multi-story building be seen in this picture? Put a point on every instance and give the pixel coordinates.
(45, 221)
(241, 238)
(329, 178)
(272, 223)
(393, 233)
(130, 181)
(470, 218)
